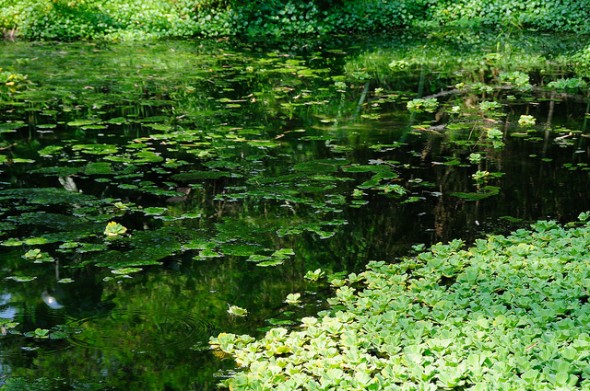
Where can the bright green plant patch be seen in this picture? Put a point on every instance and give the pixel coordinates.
(134, 19)
(510, 312)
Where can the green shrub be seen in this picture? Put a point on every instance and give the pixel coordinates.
(371, 15)
(74, 19)
(61, 19)
(569, 85)
(551, 15)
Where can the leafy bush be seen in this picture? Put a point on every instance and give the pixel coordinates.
(59, 19)
(74, 19)
(367, 16)
(86, 19)
(553, 15)
(510, 312)
(569, 85)
(277, 18)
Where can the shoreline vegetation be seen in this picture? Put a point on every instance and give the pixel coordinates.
(134, 19)
(507, 313)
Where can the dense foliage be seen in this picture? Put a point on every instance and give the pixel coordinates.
(74, 19)
(157, 193)
(508, 313)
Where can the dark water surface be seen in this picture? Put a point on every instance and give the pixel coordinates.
(237, 168)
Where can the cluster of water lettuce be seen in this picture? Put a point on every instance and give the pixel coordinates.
(510, 312)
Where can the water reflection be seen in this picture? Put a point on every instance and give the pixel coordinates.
(6, 311)
(221, 163)
(51, 301)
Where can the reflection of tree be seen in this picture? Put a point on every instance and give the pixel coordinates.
(262, 141)
(148, 340)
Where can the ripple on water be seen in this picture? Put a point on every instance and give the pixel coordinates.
(20, 341)
(124, 329)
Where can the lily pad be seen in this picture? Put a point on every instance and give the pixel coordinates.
(21, 278)
(98, 168)
(126, 270)
(96, 149)
(199, 175)
(154, 211)
(51, 150)
(46, 196)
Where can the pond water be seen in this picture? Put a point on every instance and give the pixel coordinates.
(147, 188)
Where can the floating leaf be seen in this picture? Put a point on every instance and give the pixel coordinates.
(144, 248)
(526, 120)
(271, 262)
(234, 310)
(37, 256)
(154, 211)
(293, 298)
(21, 278)
(314, 275)
(38, 333)
(114, 229)
(51, 150)
(148, 157)
(46, 126)
(486, 192)
(81, 122)
(48, 196)
(239, 250)
(12, 243)
(98, 168)
(32, 254)
(10, 127)
(21, 160)
(126, 270)
(208, 254)
(199, 175)
(36, 241)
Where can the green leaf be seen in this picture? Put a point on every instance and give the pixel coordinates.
(293, 298)
(21, 278)
(234, 310)
(114, 229)
(126, 270)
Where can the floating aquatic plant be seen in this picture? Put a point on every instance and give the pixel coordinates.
(234, 310)
(314, 275)
(428, 105)
(114, 229)
(37, 256)
(21, 278)
(448, 318)
(293, 298)
(526, 120)
(274, 155)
